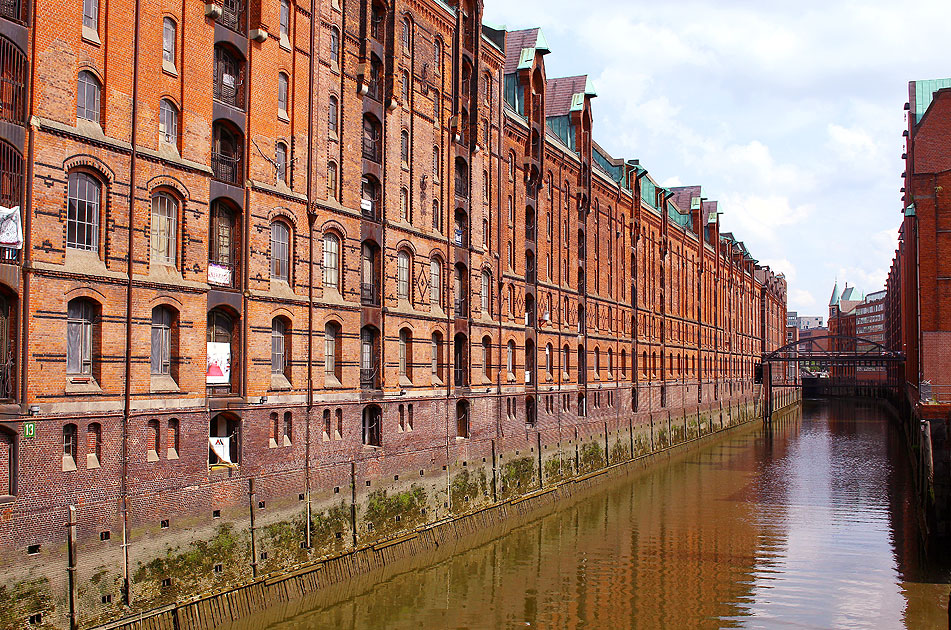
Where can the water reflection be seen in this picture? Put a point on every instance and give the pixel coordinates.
(807, 525)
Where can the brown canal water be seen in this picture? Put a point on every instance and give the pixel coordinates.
(809, 524)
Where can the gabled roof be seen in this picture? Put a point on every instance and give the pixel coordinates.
(566, 94)
(684, 196)
(521, 46)
(709, 212)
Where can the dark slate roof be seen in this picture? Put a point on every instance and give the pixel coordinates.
(683, 195)
(558, 93)
(515, 41)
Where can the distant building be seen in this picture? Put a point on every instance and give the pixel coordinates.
(809, 322)
(870, 329)
(842, 307)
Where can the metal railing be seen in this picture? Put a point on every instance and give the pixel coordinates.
(371, 148)
(12, 10)
(227, 168)
(9, 255)
(232, 15)
(369, 294)
(461, 309)
(368, 378)
(460, 377)
(12, 81)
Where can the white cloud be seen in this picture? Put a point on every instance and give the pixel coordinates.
(801, 301)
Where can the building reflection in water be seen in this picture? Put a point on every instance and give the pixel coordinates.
(805, 524)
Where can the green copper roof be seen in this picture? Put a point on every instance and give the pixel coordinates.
(910, 210)
(541, 43)
(589, 88)
(924, 93)
(526, 58)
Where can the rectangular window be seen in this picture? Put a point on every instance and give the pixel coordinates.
(161, 341)
(285, 17)
(79, 331)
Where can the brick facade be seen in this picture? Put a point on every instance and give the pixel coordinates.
(502, 285)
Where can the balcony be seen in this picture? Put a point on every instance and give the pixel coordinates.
(369, 294)
(12, 10)
(368, 378)
(9, 255)
(227, 168)
(461, 308)
(371, 146)
(460, 377)
(232, 15)
(529, 231)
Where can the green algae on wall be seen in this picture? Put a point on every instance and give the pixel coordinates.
(181, 573)
(592, 457)
(26, 598)
(516, 476)
(620, 451)
(465, 488)
(388, 513)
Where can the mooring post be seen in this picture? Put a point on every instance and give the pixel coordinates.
(252, 499)
(71, 567)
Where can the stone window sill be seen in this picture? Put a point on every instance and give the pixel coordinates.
(172, 454)
(69, 464)
(285, 42)
(151, 456)
(279, 382)
(282, 115)
(92, 462)
(169, 68)
(82, 385)
(91, 36)
(332, 381)
(163, 384)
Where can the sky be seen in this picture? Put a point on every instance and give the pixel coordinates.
(789, 114)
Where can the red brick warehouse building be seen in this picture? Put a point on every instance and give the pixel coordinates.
(355, 240)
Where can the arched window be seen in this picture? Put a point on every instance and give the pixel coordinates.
(282, 91)
(566, 359)
(403, 264)
(229, 77)
(436, 349)
(168, 123)
(220, 357)
(93, 445)
(335, 46)
(332, 180)
(164, 232)
(435, 282)
(278, 346)
(462, 419)
(280, 162)
(333, 112)
(406, 353)
(404, 87)
(70, 447)
(610, 362)
(437, 56)
(372, 138)
(88, 95)
(84, 197)
(82, 317)
(223, 248)
(370, 197)
(374, 80)
(280, 251)
(369, 358)
(436, 161)
(172, 439)
(226, 152)
(372, 425)
(404, 206)
(331, 274)
(285, 19)
(510, 357)
(487, 357)
(437, 216)
(486, 293)
(163, 318)
(461, 290)
(406, 37)
(332, 350)
(288, 428)
(152, 440)
(404, 147)
(548, 359)
(597, 361)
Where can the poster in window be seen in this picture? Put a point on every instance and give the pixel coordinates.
(11, 231)
(219, 274)
(221, 446)
(219, 363)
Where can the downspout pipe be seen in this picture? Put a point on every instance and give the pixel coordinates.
(311, 218)
(127, 403)
(27, 265)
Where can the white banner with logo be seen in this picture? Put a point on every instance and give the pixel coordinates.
(11, 229)
(222, 448)
(219, 363)
(219, 274)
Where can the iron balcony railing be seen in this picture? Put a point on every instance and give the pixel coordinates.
(368, 378)
(530, 231)
(460, 377)
(8, 378)
(227, 168)
(232, 15)
(13, 10)
(369, 294)
(461, 307)
(9, 255)
(371, 148)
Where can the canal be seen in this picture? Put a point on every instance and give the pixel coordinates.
(809, 524)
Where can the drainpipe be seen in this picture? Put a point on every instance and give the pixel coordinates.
(311, 218)
(246, 224)
(127, 407)
(27, 266)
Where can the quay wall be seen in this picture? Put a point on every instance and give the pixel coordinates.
(195, 568)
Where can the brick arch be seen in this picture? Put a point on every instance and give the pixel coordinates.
(86, 292)
(282, 311)
(405, 245)
(167, 181)
(405, 323)
(282, 212)
(90, 67)
(166, 300)
(89, 162)
(332, 225)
